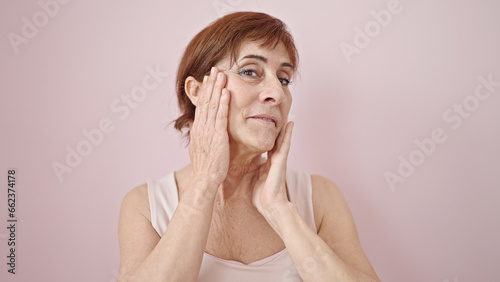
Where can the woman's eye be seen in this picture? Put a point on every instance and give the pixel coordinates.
(254, 73)
(248, 72)
(285, 81)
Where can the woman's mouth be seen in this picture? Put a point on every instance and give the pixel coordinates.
(265, 119)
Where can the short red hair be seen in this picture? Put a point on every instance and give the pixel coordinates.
(221, 38)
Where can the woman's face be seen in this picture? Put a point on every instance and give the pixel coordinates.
(260, 97)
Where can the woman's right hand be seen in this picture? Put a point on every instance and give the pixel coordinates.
(209, 140)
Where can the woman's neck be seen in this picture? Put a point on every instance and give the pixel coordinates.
(237, 187)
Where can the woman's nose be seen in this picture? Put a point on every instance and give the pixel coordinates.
(272, 91)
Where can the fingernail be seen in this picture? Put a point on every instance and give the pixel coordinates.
(212, 70)
(205, 78)
(219, 75)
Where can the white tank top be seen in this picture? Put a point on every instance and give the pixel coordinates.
(163, 200)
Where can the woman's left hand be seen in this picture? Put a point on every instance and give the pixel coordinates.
(270, 184)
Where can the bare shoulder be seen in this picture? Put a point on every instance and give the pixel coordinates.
(137, 201)
(322, 184)
(136, 236)
(336, 225)
(327, 201)
(331, 212)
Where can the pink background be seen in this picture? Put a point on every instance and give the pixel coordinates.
(353, 121)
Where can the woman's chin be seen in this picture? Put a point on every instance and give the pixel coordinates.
(256, 144)
(264, 144)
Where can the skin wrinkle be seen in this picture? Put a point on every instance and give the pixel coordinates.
(226, 213)
(237, 228)
(225, 224)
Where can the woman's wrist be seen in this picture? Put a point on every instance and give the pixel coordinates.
(279, 215)
(200, 195)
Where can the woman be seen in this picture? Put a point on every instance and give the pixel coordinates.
(232, 215)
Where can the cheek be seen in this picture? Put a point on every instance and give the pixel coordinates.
(241, 93)
(287, 105)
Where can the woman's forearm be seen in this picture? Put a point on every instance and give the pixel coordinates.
(313, 258)
(179, 253)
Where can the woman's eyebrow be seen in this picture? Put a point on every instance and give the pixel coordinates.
(263, 59)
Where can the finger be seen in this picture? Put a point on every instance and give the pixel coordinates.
(222, 111)
(204, 96)
(280, 154)
(215, 100)
(287, 139)
(279, 140)
(198, 108)
(277, 144)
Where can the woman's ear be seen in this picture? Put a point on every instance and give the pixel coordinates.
(192, 88)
